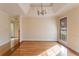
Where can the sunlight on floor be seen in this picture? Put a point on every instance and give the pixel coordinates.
(42, 49)
(56, 50)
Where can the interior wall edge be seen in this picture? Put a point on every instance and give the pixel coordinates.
(67, 46)
(4, 48)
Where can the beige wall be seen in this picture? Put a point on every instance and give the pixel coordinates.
(39, 29)
(4, 32)
(4, 28)
(72, 28)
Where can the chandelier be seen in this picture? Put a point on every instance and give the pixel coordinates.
(42, 10)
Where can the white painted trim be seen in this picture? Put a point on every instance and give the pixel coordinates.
(66, 44)
(38, 40)
(24, 8)
(5, 42)
(66, 8)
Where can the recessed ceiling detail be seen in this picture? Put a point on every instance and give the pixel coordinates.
(30, 8)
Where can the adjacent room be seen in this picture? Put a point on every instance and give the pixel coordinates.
(39, 29)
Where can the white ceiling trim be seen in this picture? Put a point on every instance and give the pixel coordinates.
(25, 8)
(65, 9)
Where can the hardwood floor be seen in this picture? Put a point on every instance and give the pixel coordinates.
(35, 48)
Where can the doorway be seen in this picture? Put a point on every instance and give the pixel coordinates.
(14, 32)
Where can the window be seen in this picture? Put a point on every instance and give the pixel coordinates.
(63, 28)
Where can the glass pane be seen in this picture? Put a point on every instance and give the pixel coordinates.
(63, 29)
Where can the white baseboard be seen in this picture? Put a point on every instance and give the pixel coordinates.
(4, 42)
(38, 40)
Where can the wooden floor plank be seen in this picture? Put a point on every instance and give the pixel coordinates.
(34, 48)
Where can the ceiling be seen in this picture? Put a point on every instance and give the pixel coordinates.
(19, 8)
(51, 8)
(39, 4)
(10, 8)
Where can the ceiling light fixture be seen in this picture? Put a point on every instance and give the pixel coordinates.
(42, 10)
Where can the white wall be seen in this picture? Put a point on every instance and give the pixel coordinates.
(21, 18)
(38, 29)
(4, 28)
(72, 28)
